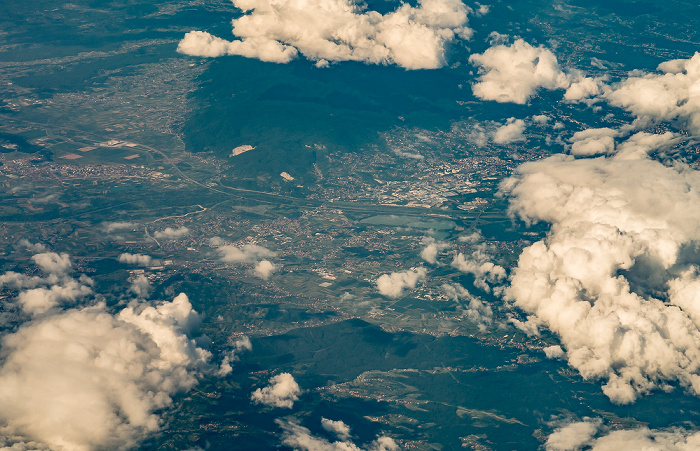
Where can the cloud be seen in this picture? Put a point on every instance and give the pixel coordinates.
(240, 345)
(340, 429)
(553, 352)
(541, 119)
(299, 437)
(483, 10)
(38, 295)
(282, 392)
(645, 438)
(216, 241)
(248, 253)
(52, 262)
(472, 238)
(12, 445)
(478, 263)
(496, 38)
(110, 227)
(431, 249)
(135, 259)
(475, 308)
(613, 276)
(338, 30)
(44, 199)
(393, 285)
(500, 133)
(600, 141)
(573, 436)
(33, 247)
(514, 73)
(85, 379)
(594, 435)
(40, 300)
(170, 233)
(583, 88)
(264, 269)
(670, 95)
(409, 155)
(140, 286)
(20, 281)
(478, 135)
(640, 144)
(593, 141)
(600, 64)
(201, 43)
(512, 131)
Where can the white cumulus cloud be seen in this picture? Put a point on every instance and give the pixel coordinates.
(573, 436)
(592, 434)
(339, 428)
(652, 439)
(672, 94)
(282, 392)
(514, 73)
(85, 379)
(393, 285)
(432, 249)
(39, 295)
(610, 277)
(264, 269)
(248, 253)
(511, 131)
(594, 141)
(135, 259)
(40, 300)
(34, 247)
(584, 88)
(52, 262)
(170, 233)
(201, 43)
(553, 352)
(140, 286)
(338, 30)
